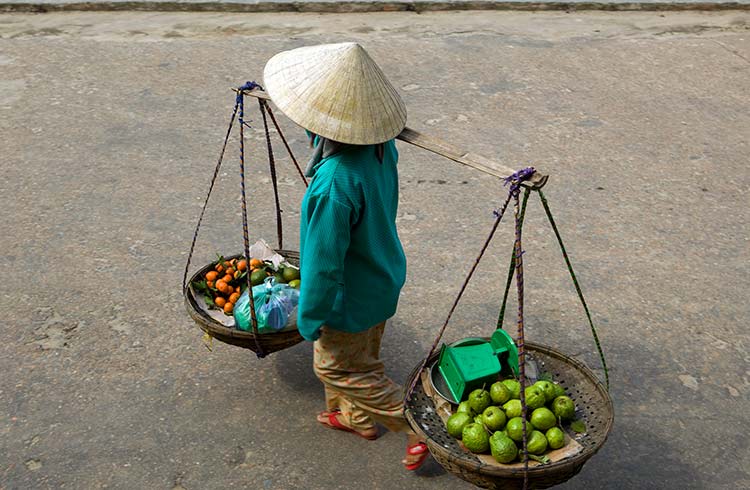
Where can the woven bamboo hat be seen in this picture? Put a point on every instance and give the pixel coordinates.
(336, 91)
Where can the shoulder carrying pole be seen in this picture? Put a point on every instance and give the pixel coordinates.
(445, 149)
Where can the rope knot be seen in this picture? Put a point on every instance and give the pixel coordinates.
(247, 86)
(250, 86)
(518, 177)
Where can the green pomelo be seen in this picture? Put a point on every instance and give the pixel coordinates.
(564, 408)
(494, 418)
(499, 393)
(514, 387)
(479, 400)
(536, 443)
(475, 438)
(456, 423)
(543, 418)
(559, 390)
(257, 277)
(515, 429)
(548, 388)
(290, 274)
(555, 438)
(512, 408)
(534, 397)
(465, 408)
(503, 448)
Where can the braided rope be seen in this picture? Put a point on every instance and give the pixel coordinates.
(545, 204)
(245, 235)
(512, 267)
(274, 181)
(208, 195)
(515, 181)
(520, 342)
(286, 145)
(498, 217)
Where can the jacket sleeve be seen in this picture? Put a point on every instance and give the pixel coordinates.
(324, 246)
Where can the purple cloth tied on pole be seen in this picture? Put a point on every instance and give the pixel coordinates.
(247, 86)
(518, 177)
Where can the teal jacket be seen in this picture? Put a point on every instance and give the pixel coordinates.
(351, 260)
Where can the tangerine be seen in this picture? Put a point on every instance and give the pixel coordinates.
(256, 263)
(210, 284)
(230, 271)
(221, 285)
(211, 275)
(242, 265)
(234, 297)
(228, 308)
(220, 302)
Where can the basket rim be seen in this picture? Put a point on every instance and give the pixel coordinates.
(537, 471)
(213, 326)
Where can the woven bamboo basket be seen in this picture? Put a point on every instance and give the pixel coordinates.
(594, 407)
(263, 343)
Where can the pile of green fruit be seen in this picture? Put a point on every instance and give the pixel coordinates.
(491, 422)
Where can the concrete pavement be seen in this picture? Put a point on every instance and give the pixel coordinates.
(332, 6)
(110, 127)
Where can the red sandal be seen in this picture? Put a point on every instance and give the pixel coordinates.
(333, 423)
(417, 449)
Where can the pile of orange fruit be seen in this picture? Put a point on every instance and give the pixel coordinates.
(226, 281)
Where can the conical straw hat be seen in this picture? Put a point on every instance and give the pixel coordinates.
(336, 91)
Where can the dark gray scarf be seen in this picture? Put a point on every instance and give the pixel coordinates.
(325, 148)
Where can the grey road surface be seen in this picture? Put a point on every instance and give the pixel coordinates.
(110, 125)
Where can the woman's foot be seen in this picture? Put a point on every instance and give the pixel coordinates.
(416, 452)
(334, 420)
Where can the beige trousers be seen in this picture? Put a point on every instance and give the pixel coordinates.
(354, 377)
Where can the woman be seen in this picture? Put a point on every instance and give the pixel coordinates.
(352, 261)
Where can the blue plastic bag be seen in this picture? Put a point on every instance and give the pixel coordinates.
(273, 304)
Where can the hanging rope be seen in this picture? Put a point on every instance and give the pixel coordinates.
(208, 195)
(545, 204)
(239, 108)
(274, 181)
(286, 145)
(521, 174)
(498, 218)
(520, 342)
(245, 235)
(512, 268)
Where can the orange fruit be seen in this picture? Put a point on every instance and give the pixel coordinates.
(227, 278)
(256, 263)
(229, 290)
(241, 265)
(219, 268)
(220, 302)
(221, 285)
(228, 308)
(230, 271)
(211, 275)
(234, 297)
(210, 284)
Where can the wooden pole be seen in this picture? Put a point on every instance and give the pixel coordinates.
(447, 150)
